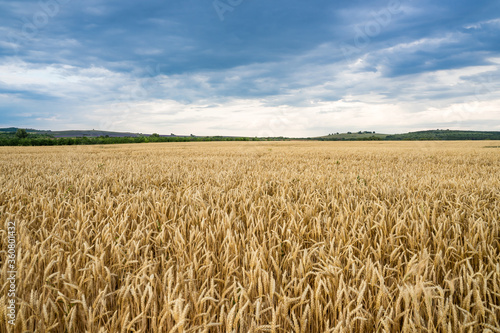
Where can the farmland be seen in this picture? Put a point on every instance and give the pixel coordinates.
(253, 237)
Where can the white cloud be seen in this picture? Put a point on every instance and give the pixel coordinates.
(309, 98)
(480, 24)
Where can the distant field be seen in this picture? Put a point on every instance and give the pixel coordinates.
(254, 237)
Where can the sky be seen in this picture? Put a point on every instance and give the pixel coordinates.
(250, 67)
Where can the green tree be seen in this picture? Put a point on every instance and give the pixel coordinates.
(21, 133)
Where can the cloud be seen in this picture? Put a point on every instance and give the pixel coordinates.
(289, 68)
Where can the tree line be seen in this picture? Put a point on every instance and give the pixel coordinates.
(23, 138)
(41, 140)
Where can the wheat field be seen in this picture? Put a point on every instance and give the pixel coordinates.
(253, 237)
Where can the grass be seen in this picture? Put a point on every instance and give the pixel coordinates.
(254, 237)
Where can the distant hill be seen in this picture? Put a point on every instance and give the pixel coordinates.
(446, 135)
(361, 135)
(86, 137)
(80, 133)
(8, 130)
(91, 134)
(418, 135)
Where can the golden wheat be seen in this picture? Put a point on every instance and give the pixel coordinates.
(254, 236)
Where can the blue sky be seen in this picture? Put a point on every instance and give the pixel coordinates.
(250, 67)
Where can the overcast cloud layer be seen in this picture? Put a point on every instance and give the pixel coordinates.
(250, 67)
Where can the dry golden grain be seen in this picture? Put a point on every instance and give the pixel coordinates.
(254, 236)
